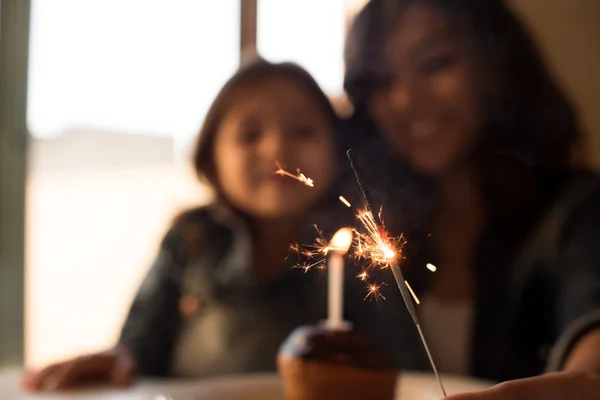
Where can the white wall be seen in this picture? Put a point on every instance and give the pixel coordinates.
(569, 34)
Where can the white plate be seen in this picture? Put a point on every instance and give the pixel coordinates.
(413, 386)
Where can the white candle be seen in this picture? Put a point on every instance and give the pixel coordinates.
(336, 290)
(338, 246)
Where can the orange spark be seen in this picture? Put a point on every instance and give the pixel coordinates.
(374, 293)
(363, 276)
(300, 177)
(412, 293)
(346, 202)
(294, 248)
(431, 267)
(340, 242)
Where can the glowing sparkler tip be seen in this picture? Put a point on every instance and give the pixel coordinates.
(389, 253)
(375, 245)
(431, 267)
(374, 293)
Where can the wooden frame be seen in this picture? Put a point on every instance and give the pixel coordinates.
(14, 45)
(248, 28)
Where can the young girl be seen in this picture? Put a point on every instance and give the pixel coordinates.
(480, 145)
(221, 296)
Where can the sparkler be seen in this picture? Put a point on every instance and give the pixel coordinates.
(377, 235)
(300, 177)
(375, 246)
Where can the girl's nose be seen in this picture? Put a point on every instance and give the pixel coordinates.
(274, 147)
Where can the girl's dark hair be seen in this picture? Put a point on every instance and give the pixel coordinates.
(531, 128)
(251, 71)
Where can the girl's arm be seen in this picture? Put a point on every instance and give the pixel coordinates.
(153, 320)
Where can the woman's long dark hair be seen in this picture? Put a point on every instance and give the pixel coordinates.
(531, 128)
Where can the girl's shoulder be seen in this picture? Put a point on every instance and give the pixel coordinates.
(196, 216)
(193, 229)
(192, 223)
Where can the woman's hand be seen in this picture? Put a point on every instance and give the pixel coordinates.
(115, 366)
(555, 386)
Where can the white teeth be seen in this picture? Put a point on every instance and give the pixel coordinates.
(422, 129)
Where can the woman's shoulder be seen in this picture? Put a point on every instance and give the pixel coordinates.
(573, 211)
(575, 215)
(580, 193)
(581, 199)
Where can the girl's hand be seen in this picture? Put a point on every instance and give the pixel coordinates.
(115, 366)
(555, 386)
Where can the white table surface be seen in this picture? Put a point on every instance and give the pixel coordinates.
(413, 386)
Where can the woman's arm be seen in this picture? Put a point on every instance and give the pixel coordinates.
(585, 355)
(556, 386)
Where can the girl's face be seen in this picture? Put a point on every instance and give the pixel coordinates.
(273, 121)
(429, 109)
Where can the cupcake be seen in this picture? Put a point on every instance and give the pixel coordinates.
(318, 363)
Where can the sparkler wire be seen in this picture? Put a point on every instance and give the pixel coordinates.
(363, 188)
(398, 276)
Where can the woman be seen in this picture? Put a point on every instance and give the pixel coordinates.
(479, 145)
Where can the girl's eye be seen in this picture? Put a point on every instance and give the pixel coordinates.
(249, 136)
(434, 65)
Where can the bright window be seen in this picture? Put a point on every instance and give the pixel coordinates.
(309, 32)
(117, 90)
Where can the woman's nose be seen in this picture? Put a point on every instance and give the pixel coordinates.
(399, 97)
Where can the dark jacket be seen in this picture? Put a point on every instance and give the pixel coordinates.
(202, 284)
(530, 306)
